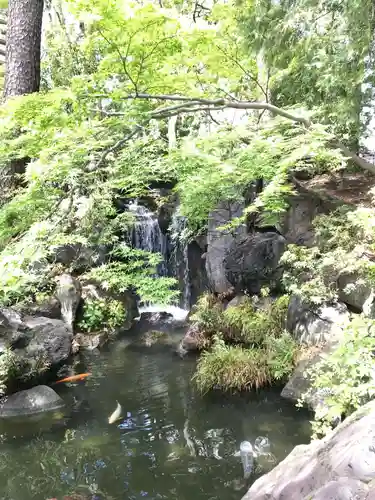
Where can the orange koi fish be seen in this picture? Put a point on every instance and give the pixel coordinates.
(73, 378)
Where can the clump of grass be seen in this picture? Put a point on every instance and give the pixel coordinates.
(235, 368)
(231, 368)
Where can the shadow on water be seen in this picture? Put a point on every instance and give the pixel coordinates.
(171, 444)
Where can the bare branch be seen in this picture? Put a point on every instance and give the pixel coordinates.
(117, 146)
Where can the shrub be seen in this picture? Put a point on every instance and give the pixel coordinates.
(207, 316)
(102, 314)
(346, 377)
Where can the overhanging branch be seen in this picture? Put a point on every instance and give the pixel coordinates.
(197, 104)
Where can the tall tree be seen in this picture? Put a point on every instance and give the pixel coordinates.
(23, 46)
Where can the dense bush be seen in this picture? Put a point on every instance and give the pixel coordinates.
(101, 314)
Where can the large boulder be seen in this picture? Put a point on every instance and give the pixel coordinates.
(32, 401)
(340, 466)
(353, 290)
(37, 343)
(313, 326)
(321, 329)
(68, 292)
(219, 241)
(253, 261)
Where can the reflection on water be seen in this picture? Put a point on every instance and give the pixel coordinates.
(171, 443)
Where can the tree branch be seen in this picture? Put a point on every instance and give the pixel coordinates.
(195, 105)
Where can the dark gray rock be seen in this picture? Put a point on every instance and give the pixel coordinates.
(79, 256)
(219, 242)
(340, 466)
(313, 326)
(300, 385)
(49, 308)
(37, 343)
(253, 262)
(193, 341)
(89, 341)
(32, 401)
(322, 327)
(68, 292)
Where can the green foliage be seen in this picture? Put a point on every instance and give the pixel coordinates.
(8, 368)
(344, 379)
(342, 240)
(231, 368)
(102, 314)
(135, 270)
(315, 54)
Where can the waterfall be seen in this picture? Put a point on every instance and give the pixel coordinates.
(180, 257)
(146, 234)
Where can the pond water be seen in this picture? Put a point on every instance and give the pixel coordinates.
(174, 445)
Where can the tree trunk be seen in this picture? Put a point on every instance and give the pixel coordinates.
(23, 46)
(22, 71)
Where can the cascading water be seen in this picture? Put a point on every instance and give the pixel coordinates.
(180, 257)
(147, 235)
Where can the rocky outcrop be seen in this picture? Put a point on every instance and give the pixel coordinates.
(32, 401)
(323, 328)
(37, 343)
(253, 262)
(68, 292)
(219, 242)
(340, 466)
(313, 326)
(79, 256)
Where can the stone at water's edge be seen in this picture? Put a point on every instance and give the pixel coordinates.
(36, 400)
(36, 342)
(68, 292)
(252, 262)
(338, 467)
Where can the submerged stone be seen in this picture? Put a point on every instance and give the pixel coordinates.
(31, 401)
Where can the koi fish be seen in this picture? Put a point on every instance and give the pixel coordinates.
(73, 378)
(116, 415)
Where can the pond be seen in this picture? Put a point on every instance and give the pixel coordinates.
(172, 444)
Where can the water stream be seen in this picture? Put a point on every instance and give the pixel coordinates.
(171, 444)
